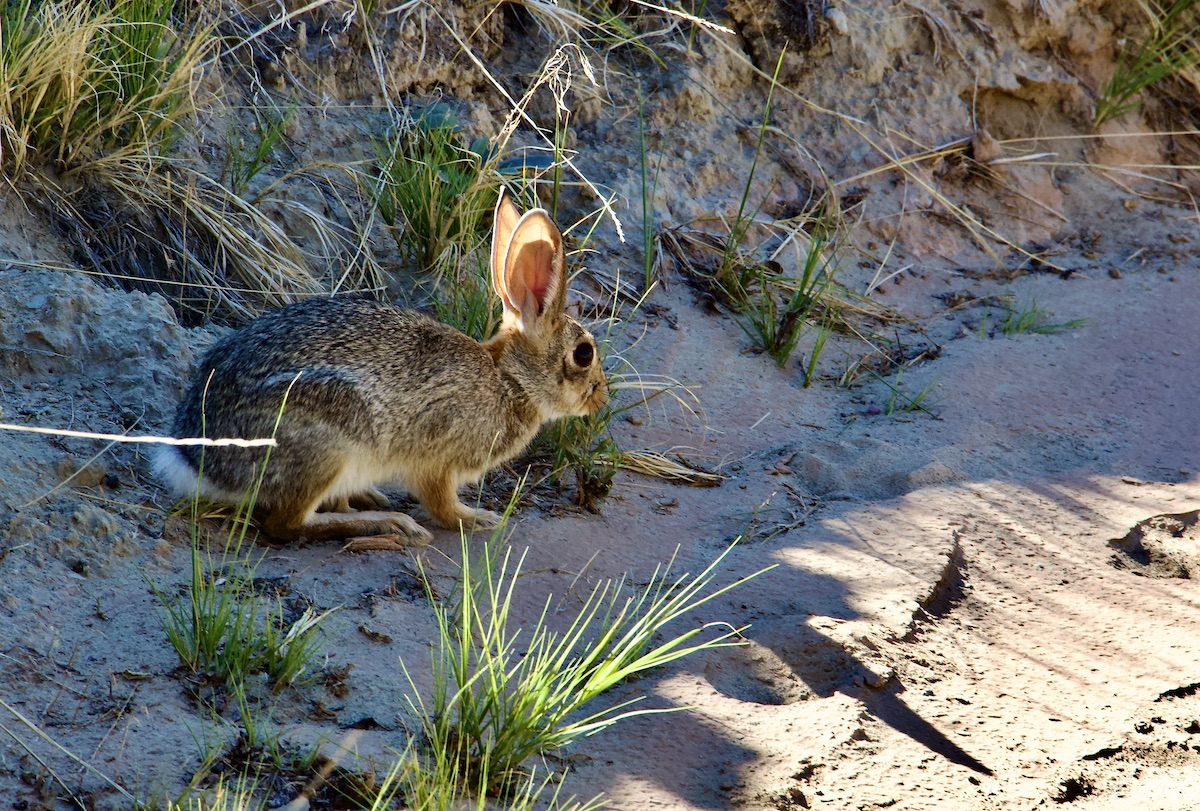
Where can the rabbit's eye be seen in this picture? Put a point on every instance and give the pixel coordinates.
(583, 355)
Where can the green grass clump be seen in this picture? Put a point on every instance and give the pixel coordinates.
(245, 161)
(1032, 319)
(779, 306)
(1172, 46)
(437, 195)
(435, 192)
(222, 629)
(503, 695)
(900, 402)
(432, 779)
(771, 306)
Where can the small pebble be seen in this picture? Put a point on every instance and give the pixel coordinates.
(837, 21)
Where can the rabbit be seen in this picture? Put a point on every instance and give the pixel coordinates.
(359, 393)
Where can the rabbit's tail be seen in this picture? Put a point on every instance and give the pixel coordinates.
(175, 470)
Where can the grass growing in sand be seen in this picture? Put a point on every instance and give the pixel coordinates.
(649, 189)
(772, 306)
(1030, 319)
(504, 695)
(585, 446)
(224, 629)
(901, 402)
(782, 305)
(220, 627)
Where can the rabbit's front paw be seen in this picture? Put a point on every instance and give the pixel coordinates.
(481, 519)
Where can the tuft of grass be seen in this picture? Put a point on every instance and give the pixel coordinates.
(432, 779)
(770, 307)
(1033, 319)
(584, 446)
(649, 192)
(222, 629)
(435, 192)
(824, 330)
(229, 793)
(219, 627)
(245, 161)
(504, 695)
(86, 81)
(1172, 46)
(96, 95)
(776, 314)
(901, 403)
(730, 273)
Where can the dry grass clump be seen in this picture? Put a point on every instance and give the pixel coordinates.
(88, 82)
(98, 94)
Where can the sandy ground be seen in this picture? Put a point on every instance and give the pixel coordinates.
(971, 637)
(974, 608)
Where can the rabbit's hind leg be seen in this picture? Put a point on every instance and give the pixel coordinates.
(286, 525)
(294, 516)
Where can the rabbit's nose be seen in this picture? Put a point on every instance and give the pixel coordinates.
(598, 397)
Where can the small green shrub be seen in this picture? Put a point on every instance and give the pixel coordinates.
(584, 447)
(901, 403)
(436, 193)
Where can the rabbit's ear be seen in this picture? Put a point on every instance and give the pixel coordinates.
(503, 225)
(533, 281)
